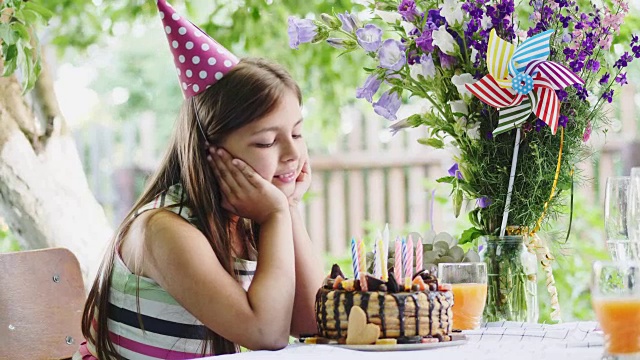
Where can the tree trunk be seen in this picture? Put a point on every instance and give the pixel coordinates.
(44, 195)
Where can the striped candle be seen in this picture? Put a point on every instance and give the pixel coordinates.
(354, 258)
(382, 261)
(409, 269)
(397, 265)
(376, 254)
(419, 251)
(405, 264)
(362, 257)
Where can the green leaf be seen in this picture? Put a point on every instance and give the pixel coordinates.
(7, 35)
(44, 13)
(446, 179)
(10, 59)
(469, 235)
(20, 31)
(433, 142)
(457, 202)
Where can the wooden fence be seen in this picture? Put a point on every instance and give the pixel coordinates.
(368, 179)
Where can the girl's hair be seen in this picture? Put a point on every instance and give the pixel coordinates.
(250, 91)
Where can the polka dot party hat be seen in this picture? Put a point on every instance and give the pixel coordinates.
(200, 61)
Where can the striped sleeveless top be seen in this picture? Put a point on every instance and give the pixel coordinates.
(170, 331)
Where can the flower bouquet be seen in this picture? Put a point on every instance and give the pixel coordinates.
(515, 97)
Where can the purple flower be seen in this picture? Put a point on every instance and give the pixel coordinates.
(563, 120)
(624, 61)
(526, 127)
(605, 78)
(300, 31)
(539, 125)
(408, 10)
(435, 17)
(562, 95)
(622, 79)
(608, 95)
(370, 87)
(483, 202)
(391, 55)
(446, 61)
(348, 23)
(387, 105)
(425, 41)
(566, 38)
(454, 170)
(369, 37)
(593, 65)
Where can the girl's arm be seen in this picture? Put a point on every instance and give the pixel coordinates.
(309, 274)
(181, 260)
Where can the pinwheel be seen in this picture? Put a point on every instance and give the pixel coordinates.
(522, 81)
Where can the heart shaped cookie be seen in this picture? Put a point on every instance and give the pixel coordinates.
(359, 332)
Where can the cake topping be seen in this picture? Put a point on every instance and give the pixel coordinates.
(422, 281)
(359, 332)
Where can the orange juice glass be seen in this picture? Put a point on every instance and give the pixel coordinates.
(615, 296)
(469, 284)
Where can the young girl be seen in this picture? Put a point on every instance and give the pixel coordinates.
(214, 255)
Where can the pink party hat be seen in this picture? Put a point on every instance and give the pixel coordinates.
(200, 60)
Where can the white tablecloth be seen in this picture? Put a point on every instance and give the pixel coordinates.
(501, 340)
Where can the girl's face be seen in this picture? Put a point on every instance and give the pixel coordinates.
(273, 145)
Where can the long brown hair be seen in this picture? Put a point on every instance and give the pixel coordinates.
(248, 92)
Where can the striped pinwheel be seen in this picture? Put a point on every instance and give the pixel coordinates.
(522, 81)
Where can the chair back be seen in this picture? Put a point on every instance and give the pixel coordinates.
(41, 301)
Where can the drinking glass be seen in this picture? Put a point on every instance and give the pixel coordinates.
(615, 297)
(469, 284)
(616, 200)
(633, 207)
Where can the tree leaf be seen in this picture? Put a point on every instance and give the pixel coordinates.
(457, 202)
(469, 235)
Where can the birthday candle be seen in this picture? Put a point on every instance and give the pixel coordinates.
(397, 265)
(385, 244)
(363, 282)
(376, 255)
(405, 265)
(409, 270)
(354, 258)
(419, 251)
(383, 261)
(362, 256)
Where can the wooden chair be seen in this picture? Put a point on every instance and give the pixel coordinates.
(41, 301)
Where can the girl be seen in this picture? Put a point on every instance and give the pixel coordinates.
(214, 255)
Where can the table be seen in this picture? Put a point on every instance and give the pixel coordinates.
(499, 340)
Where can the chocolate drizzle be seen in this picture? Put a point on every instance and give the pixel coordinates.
(400, 300)
(336, 311)
(383, 322)
(414, 296)
(431, 306)
(364, 302)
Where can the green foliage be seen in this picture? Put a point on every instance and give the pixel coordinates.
(8, 242)
(18, 20)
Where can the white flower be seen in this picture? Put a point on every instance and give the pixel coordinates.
(426, 67)
(388, 16)
(453, 149)
(444, 40)
(474, 132)
(459, 81)
(408, 27)
(459, 106)
(486, 22)
(452, 11)
(462, 122)
(474, 55)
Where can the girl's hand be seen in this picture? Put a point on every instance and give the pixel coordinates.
(244, 192)
(303, 182)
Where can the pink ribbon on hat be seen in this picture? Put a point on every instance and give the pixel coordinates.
(200, 61)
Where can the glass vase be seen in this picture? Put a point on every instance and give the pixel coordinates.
(512, 293)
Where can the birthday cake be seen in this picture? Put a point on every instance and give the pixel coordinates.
(419, 314)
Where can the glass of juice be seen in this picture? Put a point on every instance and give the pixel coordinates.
(469, 284)
(615, 296)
